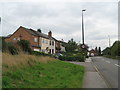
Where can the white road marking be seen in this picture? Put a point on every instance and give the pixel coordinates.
(117, 65)
(108, 61)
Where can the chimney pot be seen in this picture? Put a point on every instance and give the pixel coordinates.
(39, 30)
(50, 34)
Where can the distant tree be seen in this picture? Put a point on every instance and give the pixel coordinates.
(96, 51)
(71, 46)
(99, 51)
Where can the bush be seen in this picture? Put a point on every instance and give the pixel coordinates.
(80, 58)
(3, 45)
(12, 49)
(25, 45)
(40, 53)
(8, 47)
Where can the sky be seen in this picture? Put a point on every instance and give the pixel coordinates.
(63, 18)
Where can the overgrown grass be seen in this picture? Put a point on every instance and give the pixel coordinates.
(113, 57)
(27, 71)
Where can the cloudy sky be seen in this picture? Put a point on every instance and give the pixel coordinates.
(63, 18)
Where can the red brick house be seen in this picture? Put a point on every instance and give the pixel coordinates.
(38, 40)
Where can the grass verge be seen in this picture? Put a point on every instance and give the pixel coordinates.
(44, 72)
(112, 57)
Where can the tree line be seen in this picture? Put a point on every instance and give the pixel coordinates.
(114, 50)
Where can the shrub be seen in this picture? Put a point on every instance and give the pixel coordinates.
(40, 53)
(25, 45)
(8, 47)
(12, 49)
(80, 58)
(3, 45)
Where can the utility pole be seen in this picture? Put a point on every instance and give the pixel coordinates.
(109, 40)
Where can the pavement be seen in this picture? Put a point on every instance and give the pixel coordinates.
(92, 78)
(108, 68)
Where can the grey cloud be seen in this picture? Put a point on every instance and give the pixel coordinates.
(64, 19)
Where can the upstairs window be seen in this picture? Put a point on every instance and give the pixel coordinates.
(53, 43)
(14, 39)
(46, 41)
(42, 40)
(50, 42)
(35, 39)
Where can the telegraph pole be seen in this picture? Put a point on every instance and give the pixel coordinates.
(109, 40)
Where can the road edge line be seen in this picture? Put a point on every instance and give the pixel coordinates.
(107, 83)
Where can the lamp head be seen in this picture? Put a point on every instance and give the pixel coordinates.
(84, 10)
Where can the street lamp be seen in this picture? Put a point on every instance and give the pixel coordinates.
(83, 27)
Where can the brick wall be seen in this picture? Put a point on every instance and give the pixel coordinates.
(22, 34)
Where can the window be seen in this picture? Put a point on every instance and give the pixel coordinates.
(18, 38)
(42, 40)
(52, 51)
(53, 43)
(14, 38)
(50, 42)
(35, 39)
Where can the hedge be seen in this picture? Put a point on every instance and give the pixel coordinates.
(72, 58)
(40, 53)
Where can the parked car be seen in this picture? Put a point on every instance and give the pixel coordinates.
(56, 55)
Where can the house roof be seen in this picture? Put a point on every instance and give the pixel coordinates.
(9, 36)
(37, 33)
(62, 41)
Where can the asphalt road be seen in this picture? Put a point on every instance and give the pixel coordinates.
(108, 68)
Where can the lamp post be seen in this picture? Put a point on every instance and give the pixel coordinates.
(83, 28)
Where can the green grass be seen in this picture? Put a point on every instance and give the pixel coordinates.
(54, 74)
(113, 57)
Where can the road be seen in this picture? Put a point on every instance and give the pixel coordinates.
(108, 68)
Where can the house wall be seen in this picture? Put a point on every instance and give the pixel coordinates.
(62, 48)
(52, 47)
(58, 46)
(22, 34)
(44, 44)
(46, 47)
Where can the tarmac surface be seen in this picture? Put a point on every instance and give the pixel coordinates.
(108, 68)
(92, 78)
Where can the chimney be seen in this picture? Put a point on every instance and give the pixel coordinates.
(50, 34)
(39, 30)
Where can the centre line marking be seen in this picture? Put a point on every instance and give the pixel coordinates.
(117, 65)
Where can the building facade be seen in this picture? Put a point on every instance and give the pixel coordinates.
(38, 40)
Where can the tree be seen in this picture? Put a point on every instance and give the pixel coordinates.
(107, 51)
(99, 51)
(96, 51)
(71, 46)
(25, 45)
(115, 49)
